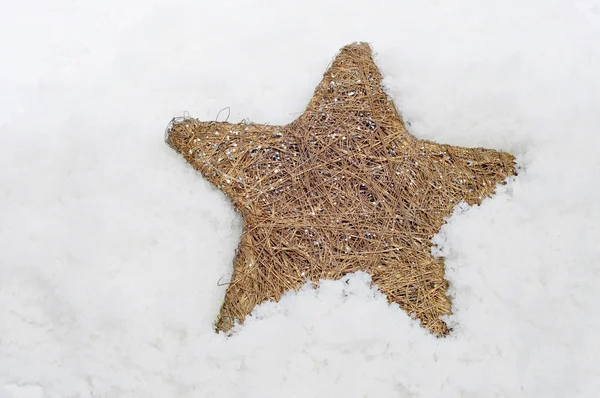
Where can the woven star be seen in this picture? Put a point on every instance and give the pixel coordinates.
(343, 188)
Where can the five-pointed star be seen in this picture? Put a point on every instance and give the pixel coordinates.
(342, 188)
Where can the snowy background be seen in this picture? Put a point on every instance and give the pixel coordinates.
(111, 247)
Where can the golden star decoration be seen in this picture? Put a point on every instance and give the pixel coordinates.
(343, 188)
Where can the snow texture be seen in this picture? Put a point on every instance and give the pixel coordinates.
(111, 247)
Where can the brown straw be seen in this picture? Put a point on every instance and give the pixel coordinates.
(342, 188)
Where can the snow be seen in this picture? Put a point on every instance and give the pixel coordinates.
(111, 247)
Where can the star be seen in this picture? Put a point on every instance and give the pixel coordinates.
(343, 188)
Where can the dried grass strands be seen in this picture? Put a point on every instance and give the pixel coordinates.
(342, 188)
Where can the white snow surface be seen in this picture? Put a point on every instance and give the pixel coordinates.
(111, 246)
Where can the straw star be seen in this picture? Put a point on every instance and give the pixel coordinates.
(343, 188)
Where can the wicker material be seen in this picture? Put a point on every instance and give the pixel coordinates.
(342, 188)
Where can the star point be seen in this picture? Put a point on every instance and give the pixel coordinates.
(344, 187)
